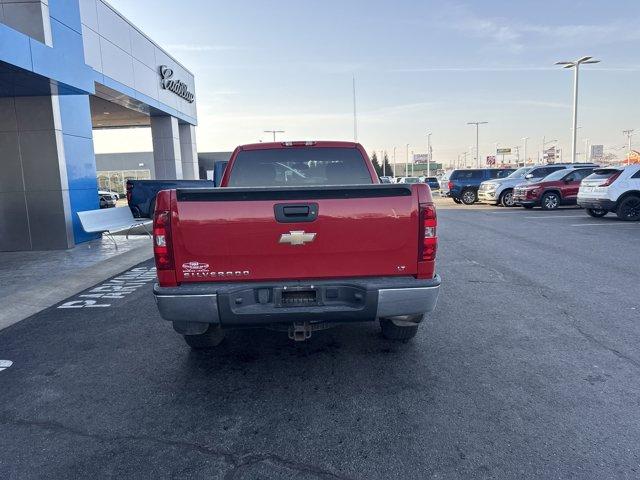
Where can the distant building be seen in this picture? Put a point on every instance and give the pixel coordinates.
(114, 169)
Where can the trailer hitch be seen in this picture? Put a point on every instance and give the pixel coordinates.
(300, 331)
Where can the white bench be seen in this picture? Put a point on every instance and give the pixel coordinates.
(110, 220)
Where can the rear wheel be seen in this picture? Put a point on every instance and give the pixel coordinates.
(629, 209)
(506, 198)
(596, 212)
(469, 197)
(400, 328)
(550, 201)
(209, 339)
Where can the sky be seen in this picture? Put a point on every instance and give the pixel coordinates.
(419, 66)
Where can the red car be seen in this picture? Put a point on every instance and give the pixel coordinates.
(300, 236)
(558, 188)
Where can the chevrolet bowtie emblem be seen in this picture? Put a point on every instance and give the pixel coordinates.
(297, 237)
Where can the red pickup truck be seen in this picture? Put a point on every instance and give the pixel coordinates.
(298, 237)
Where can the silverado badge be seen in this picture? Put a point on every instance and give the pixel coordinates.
(297, 237)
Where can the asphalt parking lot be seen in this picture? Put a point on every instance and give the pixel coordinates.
(528, 369)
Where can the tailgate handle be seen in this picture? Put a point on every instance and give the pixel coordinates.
(295, 212)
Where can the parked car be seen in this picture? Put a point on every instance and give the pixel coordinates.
(463, 184)
(409, 180)
(500, 191)
(557, 188)
(107, 199)
(386, 179)
(444, 183)
(433, 183)
(614, 189)
(141, 194)
(292, 241)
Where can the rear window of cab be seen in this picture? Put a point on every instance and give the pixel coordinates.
(298, 167)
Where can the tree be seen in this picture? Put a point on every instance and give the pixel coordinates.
(376, 164)
(388, 169)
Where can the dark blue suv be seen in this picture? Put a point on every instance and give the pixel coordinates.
(463, 184)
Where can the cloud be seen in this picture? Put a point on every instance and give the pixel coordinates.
(506, 68)
(196, 47)
(512, 36)
(499, 32)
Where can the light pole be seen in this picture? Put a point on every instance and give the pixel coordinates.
(428, 154)
(394, 164)
(586, 150)
(477, 124)
(524, 139)
(576, 66)
(412, 162)
(406, 165)
(628, 134)
(274, 133)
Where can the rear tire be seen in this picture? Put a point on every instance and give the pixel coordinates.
(469, 197)
(629, 209)
(506, 198)
(209, 339)
(550, 201)
(596, 212)
(400, 328)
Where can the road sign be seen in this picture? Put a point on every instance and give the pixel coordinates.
(503, 151)
(549, 154)
(597, 152)
(491, 160)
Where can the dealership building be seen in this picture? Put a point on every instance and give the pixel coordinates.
(68, 67)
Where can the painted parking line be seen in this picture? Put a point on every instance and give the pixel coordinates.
(609, 224)
(105, 294)
(558, 216)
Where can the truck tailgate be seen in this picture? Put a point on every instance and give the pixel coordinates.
(227, 234)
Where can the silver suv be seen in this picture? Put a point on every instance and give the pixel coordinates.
(500, 190)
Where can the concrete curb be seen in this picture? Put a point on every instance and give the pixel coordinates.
(40, 295)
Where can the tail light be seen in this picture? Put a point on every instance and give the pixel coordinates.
(162, 240)
(611, 179)
(129, 186)
(428, 240)
(450, 185)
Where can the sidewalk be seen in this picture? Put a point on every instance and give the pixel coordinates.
(33, 281)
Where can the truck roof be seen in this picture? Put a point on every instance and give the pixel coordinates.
(302, 143)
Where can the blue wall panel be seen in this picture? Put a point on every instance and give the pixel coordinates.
(66, 12)
(15, 48)
(75, 115)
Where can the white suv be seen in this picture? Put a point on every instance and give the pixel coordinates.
(614, 189)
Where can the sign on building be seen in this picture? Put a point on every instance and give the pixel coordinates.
(549, 154)
(597, 152)
(420, 158)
